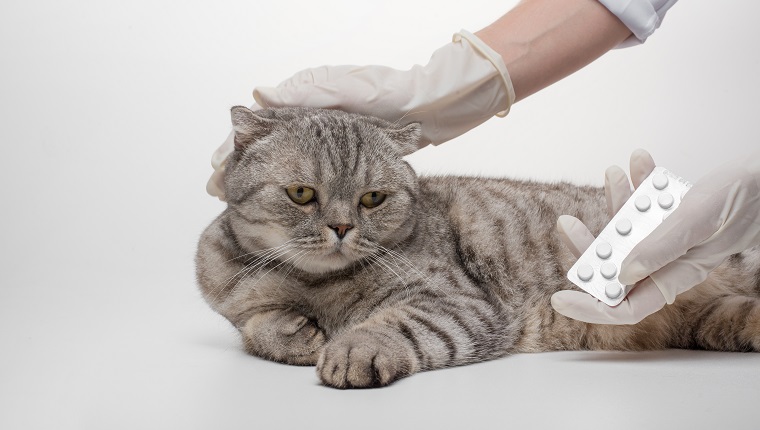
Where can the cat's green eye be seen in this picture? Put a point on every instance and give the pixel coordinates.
(300, 195)
(372, 199)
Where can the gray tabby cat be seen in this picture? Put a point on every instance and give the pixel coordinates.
(333, 252)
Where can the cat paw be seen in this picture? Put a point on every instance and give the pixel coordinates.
(287, 338)
(306, 340)
(357, 360)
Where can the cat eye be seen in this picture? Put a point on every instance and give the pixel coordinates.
(300, 195)
(372, 199)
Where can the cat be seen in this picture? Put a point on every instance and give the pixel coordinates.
(332, 252)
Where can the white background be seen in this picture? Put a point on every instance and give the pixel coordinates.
(109, 113)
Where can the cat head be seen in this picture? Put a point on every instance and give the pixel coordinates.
(324, 188)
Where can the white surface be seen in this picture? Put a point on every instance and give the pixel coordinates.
(109, 113)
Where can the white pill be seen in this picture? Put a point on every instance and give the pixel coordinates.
(623, 226)
(585, 272)
(665, 200)
(660, 181)
(603, 250)
(608, 270)
(642, 203)
(613, 290)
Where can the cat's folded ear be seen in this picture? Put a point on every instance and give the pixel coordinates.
(249, 127)
(407, 138)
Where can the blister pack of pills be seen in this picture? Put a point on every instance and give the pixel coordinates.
(596, 271)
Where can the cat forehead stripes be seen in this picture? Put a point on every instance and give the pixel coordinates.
(252, 126)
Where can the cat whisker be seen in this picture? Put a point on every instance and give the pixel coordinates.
(262, 263)
(404, 259)
(294, 263)
(304, 251)
(400, 259)
(264, 256)
(269, 255)
(378, 258)
(256, 253)
(393, 260)
(393, 256)
(297, 254)
(369, 264)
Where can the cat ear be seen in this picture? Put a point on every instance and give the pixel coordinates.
(249, 127)
(407, 139)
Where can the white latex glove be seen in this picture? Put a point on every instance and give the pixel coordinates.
(645, 296)
(718, 217)
(215, 184)
(464, 84)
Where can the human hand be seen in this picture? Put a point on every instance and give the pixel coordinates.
(645, 298)
(464, 84)
(215, 184)
(719, 216)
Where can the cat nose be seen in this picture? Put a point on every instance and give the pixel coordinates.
(341, 229)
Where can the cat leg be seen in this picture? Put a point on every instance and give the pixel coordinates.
(369, 355)
(283, 335)
(399, 341)
(372, 354)
(727, 323)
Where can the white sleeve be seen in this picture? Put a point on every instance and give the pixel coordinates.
(642, 17)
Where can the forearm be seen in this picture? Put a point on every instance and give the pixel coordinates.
(543, 41)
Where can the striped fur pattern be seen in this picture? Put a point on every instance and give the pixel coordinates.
(446, 271)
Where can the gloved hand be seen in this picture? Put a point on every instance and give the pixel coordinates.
(642, 300)
(718, 217)
(464, 84)
(215, 184)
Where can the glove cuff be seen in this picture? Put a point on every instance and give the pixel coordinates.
(497, 62)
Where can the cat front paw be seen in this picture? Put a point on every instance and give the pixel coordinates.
(360, 360)
(285, 337)
(306, 338)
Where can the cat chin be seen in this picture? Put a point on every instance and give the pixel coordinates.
(327, 263)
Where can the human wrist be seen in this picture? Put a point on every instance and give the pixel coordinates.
(543, 41)
(464, 84)
(498, 63)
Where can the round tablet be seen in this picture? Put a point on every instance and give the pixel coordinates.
(623, 226)
(608, 270)
(660, 181)
(585, 272)
(665, 200)
(642, 203)
(603, 250)
(613, 290)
